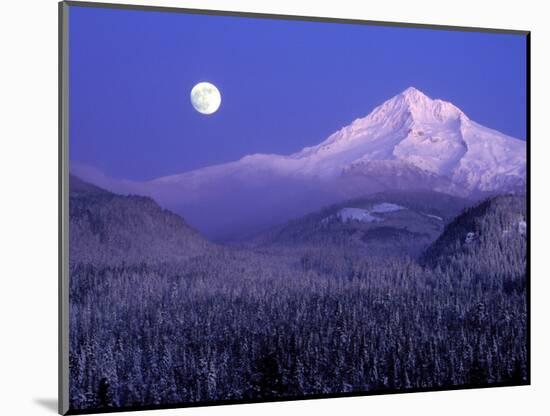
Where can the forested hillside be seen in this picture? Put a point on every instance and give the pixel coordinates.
(106, 228)
(488, 240)
(387, 224)
(205, 322)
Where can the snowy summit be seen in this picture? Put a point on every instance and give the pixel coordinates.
(433, 136)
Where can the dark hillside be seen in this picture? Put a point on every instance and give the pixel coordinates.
(488, 240)
(386, 224)
(107, 228)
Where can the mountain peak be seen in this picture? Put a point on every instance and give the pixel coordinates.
(409, 107)
(430, 134)
(419, 107)
(413, 93)
(417, 103)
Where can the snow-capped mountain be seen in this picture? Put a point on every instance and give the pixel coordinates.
(433, 136)
(409, 142)
(411, 132)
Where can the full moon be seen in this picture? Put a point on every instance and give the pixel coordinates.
(206, 98)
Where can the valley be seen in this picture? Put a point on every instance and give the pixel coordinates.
(375, 294)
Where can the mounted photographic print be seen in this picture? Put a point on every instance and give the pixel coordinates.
(262, 208)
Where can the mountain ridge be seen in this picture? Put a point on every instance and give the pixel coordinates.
(107, 228)
(386, 224)
(491, 233)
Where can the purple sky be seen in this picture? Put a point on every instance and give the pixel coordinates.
(284, 84)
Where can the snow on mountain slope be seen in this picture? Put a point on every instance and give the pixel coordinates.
(366, 214)
(493, 162)
(410, 127)
(382, 224)
(433, 136)
(355, 214)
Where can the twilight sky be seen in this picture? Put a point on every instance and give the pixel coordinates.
(284, 84)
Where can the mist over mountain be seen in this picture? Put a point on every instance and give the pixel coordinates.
(410, 142)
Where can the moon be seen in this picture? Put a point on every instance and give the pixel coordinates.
(206, 98)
